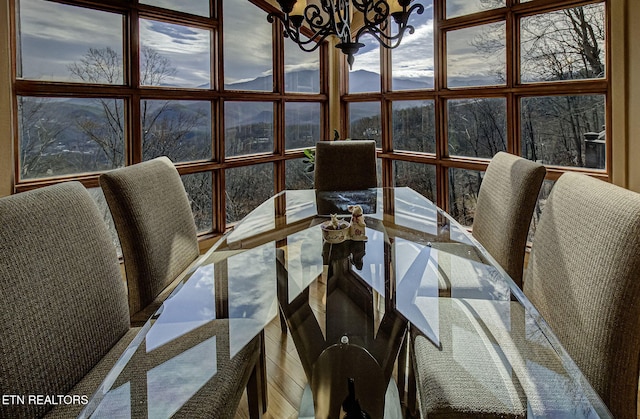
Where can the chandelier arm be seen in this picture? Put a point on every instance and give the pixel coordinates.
(292, 31)
(339, 15)
(389, 42)
(378, 32)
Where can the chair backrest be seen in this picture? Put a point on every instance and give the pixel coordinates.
(584, 278)
(157, 232)
(345, 165)
(507, 197)
(63, 302)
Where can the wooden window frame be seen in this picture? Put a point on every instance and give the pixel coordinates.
(216, 95)
(512, 91)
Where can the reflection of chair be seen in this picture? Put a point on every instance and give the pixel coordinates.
(507, 197)
(199, 369)
(583, 278)
(64, 307)
(347, 312)
(157, 232)
(345, 165)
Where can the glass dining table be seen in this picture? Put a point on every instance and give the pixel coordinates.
(349, 309)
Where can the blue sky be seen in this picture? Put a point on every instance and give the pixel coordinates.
(49, 45)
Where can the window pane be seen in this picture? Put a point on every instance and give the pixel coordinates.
(247, 53)
(418, 176)
(564, 130)
(198, 7)
(248, 128)
(477, 127)
(302, 124)
(466, 7)
(563, 45)
(178, 129)
(246, 188)
(414, 125)
(412, 60)
(476, 56)
(365, 121)
(199, 192)
(79, 45)
(301, 69)
(464, 186)
(174, 55)
(62, 136)
(365, 74)
(299, 175)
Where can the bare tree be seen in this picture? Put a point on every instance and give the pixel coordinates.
(560, 45)
(103, 66)
(199, 192)
(154, 68)
(246, 188)
(477, 127)
(166, 125)
(38, 134)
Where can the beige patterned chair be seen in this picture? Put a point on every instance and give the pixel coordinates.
(583, 278)
(345, 165)
(507, 197)
(159, 242)
(157, 232)
(63, 303)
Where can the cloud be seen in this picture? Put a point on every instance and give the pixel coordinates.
(247, 42)
(413, 58)
(467, 59)
(49, 46)
(187, 48)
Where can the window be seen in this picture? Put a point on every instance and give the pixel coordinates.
(482, 76)
(102, 85)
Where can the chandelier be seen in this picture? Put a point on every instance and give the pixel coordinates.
(323, 18)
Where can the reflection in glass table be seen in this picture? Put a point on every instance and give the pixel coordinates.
(348, 308)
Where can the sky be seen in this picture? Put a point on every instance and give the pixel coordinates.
(49, 46)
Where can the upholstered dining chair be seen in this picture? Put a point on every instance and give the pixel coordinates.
(506, 201)
(64, 312)
(63, 304)
(157, 232)
(345, 165)
(582, 276)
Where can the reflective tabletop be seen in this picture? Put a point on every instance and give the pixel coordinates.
(348, 308)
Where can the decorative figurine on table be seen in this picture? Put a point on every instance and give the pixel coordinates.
(335, 225)
(335, 230)
(357, 225)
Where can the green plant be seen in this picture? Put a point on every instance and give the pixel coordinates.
(309, 160)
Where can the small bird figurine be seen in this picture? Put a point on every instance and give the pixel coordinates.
(336, 135)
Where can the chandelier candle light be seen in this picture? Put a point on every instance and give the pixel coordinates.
(336, 17)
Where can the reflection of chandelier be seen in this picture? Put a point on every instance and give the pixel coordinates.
(336, 17)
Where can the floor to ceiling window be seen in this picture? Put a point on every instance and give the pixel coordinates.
(215, 87)
(482, 76)
(210, 84)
